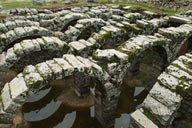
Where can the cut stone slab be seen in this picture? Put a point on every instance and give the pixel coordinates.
(74, 61)
(18, 49)
(50, 44)
(166, 96)
(168, 81)
(110, 55)
(29, 69)
(180, 74)
(20, 31)
(162, 113)
(56, 68)
(18, 90)
(44, 70)
(33, 80)
(67, 68)
(139, 120)
(88, 44)
(8, 104)
(77, 46)
(11, 56)
(28, 46)
(3, 64)
(180, 19)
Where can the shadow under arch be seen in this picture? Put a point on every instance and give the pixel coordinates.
(71, 23)
(146, 67)
(30, 52)
(140, 78)
(87, 32)
(186, 47)
(64, 92)
(32, 81)
(32, 32)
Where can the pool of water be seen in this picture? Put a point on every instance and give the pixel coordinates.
(46, 108)
(57, 105)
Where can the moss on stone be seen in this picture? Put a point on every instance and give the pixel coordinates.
(130, 54)
(176, 65)
(133, 28)
(182, 90)
(152, 117)
(103, 37)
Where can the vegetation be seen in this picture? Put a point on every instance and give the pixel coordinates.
(151, 7)
(8, 4)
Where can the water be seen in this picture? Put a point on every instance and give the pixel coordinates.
(55, 114)
(57, 105)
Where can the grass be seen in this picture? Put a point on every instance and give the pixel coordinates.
(9, 4)
(150, 7)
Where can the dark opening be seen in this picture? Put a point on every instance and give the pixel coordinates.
(88, 32)
(35, 58)
(71, 23)
(186, 47)
(139, 79)
(60, 107)
(21, 39)
(112, 43)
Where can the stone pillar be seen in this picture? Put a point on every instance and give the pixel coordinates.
(106, 104)
(82, 84)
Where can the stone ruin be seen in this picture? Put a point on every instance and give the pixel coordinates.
(102, 43)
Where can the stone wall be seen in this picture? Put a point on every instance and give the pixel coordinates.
(100, 42)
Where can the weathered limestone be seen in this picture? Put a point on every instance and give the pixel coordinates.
(141, 121)
(19, 33)
(17, 23)
(166, 96)
(150, 14)
(137, 45)
(152, 25)
(84, 25)
(110, 55)
(33, 78)
(109, 36)
(180, 19)
(27, 47)
(133, 17)
(70, 17)
(177, 34)
(102, 34)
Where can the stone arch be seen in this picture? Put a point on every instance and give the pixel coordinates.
(110, 36)
(89, 27)
(145, 68)
(74, 33)
(18, 34)
(142, 45)
(33, 78)
(10, 25)
(179, 37)
(167, 95)
(32, 52)
(70, 20)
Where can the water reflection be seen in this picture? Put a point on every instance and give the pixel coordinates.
(43, 113)
(54, 114)
(68, 121)
(123, 121)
